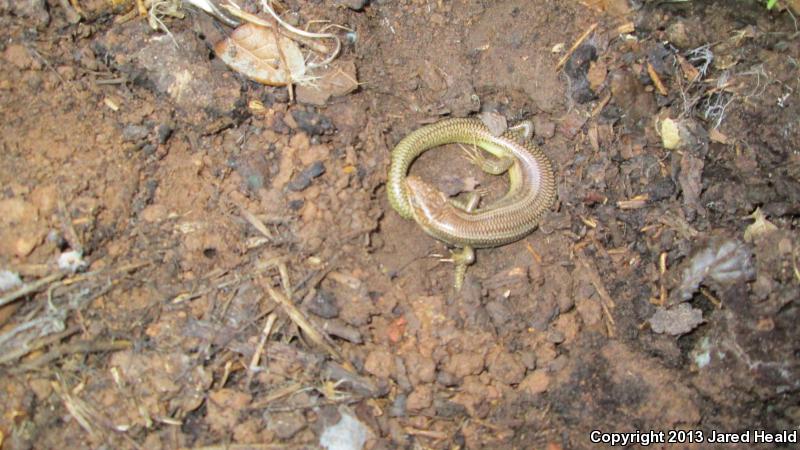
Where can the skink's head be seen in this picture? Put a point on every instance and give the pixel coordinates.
(427, 202)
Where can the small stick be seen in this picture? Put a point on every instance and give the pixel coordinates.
(597, 282)
(76, 347)
(254, 220)
(30, 288)
(45, 341)
(311, 331)
(262, 342)
(575, 46)
(656, 79)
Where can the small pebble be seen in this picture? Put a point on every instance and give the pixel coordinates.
(134, 133)
(303, 179)
(323, 304)
(312, 123)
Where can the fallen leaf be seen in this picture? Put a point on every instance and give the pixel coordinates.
(340, 79)
(720, 264)
(759, 227)
(255, 52)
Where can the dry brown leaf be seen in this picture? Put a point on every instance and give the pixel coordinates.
(717, 136)
(255, 52)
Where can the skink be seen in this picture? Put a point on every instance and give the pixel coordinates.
(514, 216)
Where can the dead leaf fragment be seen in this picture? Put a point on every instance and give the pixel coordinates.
(759, 227)
(340, 79)
(716, 136)
(255, 52)
(670, 134)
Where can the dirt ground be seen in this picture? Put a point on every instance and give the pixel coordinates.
(189, 259)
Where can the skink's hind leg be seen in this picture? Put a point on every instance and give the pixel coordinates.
(461, 258)
(497, 166)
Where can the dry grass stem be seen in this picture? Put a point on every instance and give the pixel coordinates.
(575, 46)
(311, 331)
(262, 342)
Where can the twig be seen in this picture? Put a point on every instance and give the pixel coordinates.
(30, 288)
(264, 401)
(262, 342)
(254, 220)
(308, 34)
(597, 282)
(304, 324)
(76, 347)
(656, 79)
(575, 46)
(43, 342)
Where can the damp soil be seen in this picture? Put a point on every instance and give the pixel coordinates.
(649, 297)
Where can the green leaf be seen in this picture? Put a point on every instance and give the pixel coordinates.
(771, 3)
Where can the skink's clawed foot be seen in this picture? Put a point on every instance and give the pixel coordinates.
(461, 259)
(497, 166)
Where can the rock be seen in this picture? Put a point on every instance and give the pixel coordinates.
(286, 424)
(380, 363)
(134, 133)
(164, 132)
(678, 320)
(314, 124)
(504, 367)
(17, 55)
(463, 364)
(535, 383)
(676, 33)
(154, 213)
(543, 128)
(223, 408)
(338, 328)
(420, 398)
(589, 310)
(577, 68)
(303, 179)
(323, 304)
(572, 122)
(421, 369)
(15, 211)
(499, 312)
(25, 243)
(348, 434)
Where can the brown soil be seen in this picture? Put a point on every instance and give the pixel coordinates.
(644, 301)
